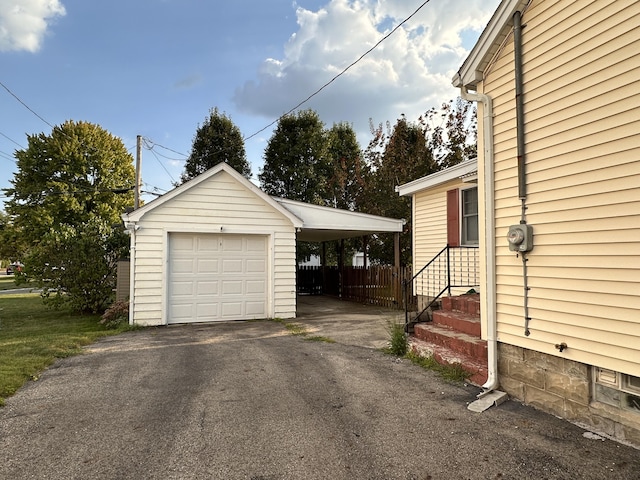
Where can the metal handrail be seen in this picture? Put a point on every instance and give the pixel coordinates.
(434, 263)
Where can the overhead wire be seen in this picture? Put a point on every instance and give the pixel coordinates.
(342, 72)
(11, 140)
(161, 164)
(151, 144)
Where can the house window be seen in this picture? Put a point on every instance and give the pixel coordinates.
(462, 217)
(469, 204)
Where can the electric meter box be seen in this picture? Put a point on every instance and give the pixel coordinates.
(520, 238)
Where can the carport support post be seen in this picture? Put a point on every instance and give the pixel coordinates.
(340, 267)
(365, 244)
(396, 249)
(396, 264)
(323, 266)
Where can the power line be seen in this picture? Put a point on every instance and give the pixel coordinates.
(161, 164)
(152, 144)
(7, 156)
(341, 73)
(24, 104)
(11, 140)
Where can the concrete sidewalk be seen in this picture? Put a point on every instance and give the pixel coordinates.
(347, 323)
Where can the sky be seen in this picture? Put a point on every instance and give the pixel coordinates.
(155, 68)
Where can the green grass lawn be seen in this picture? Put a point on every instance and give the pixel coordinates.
(33, 336)
(7, 283)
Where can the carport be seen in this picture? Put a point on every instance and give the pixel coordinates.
(218, 248)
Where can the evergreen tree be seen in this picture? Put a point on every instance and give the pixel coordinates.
(294, 160)
(217, 140)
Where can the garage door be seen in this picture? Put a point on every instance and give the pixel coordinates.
(216, 277)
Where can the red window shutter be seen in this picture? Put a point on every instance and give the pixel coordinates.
(453, 221)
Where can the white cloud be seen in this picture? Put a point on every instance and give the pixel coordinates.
(23, 23)
(408, 73)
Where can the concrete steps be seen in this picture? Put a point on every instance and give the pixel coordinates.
(453, 337)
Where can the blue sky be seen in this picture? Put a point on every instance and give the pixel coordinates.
(156, 67)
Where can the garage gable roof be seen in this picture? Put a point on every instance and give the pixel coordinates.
(136, 215)
(326, 223)
(472, 70)
(465, 170)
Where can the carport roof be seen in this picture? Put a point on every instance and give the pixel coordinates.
(325, 223)
(313, 223)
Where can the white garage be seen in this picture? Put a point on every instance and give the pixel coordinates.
(218, 248)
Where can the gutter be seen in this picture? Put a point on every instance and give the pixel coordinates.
(490, 241)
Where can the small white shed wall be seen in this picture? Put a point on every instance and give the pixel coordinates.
(219, 204)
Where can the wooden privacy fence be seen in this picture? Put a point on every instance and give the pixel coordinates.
(374, 285)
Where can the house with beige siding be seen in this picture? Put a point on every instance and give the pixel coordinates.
(556, 83)
(445, 227)
(218, 248)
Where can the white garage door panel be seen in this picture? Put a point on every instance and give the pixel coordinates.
(256, 266)
(181, 311)
(254, 287)
(206, 265)
(230, 266)
(208, 287)
(183, 289)
(214, 277)
(255, 309)
(182, 265)
(231, 287)
(231, 310)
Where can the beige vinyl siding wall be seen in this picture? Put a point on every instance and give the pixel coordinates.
(217, 202)
(582, 118)
(430, 225)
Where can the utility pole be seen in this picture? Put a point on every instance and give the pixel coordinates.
(136, 195)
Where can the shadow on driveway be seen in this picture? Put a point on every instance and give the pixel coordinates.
(347, 323)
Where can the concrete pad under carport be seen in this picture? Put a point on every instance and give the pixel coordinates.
(347, 323)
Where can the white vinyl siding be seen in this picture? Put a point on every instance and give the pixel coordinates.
(581, 102)
(217, 205)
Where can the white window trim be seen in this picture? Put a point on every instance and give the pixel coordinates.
(461, 216)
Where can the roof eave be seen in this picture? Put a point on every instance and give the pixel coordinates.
(136, 215)
(457, 171)
(472, 70)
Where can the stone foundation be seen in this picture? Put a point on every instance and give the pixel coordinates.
(563, 388)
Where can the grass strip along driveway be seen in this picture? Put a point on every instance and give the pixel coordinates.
(33, 336)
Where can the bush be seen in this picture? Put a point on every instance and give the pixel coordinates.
(115, 315)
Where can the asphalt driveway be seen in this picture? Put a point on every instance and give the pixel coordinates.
(247, 400)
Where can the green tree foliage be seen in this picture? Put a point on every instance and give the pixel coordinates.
(66, 200)
(452, 131)
(345, 168)
(12, 246)
(217, 140)
(396, 158)
(294, 160)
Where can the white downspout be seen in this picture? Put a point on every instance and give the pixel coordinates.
(490, 242)
(131, 227)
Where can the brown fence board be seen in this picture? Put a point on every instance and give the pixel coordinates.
(374, 285)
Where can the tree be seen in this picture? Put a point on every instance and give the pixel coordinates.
(452, 132)
(294, 159)
(396, 158)
(217, 140)
(12, 246)
(345, 167)
(66, 200)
